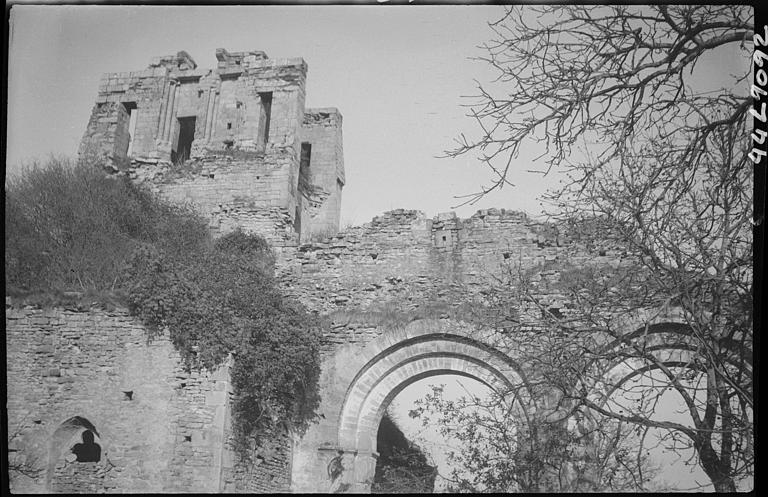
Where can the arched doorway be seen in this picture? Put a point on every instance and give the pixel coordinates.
(358, 384)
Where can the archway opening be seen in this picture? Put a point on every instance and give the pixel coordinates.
(75, 440)
(398, 361)
(427, 415)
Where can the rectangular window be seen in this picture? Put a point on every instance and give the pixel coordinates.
(126, 128)
(266, 115)
(186, 137)
(306, 156)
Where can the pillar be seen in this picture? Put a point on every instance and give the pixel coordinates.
(169, 110)
(209, 114)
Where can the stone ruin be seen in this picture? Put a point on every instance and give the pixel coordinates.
(238, 143)
(236, 140)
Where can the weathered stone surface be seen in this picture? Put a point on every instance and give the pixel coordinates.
(260, 161)
(99, 356)
(238, 159)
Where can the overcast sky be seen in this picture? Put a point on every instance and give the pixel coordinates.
(396, 73)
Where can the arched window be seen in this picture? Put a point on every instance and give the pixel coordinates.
(76, 437)
(88, 450)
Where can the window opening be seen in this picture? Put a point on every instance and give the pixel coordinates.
(126, 129)
(88, 451)
(186, 137)
(297, 221)
(266, 112)
(304, 161)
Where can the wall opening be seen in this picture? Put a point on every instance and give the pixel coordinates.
(427, 351)
(265, 118)
(413, 456)
(297, 221)
(88, 450)
(76, 438)
(306, 156)
(126, 113)
(186, 137)
(133, 113)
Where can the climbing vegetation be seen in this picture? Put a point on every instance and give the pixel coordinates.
(222, 298)
(72, 230)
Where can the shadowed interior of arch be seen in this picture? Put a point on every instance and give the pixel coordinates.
(396, 367)
(65, 437)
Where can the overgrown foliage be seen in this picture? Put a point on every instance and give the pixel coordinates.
(224, 300)
(69, 226)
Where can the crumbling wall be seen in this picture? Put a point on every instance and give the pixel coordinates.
(107, 130)
(321, 131)
(160, 427)
(248, 116)
(404, 258)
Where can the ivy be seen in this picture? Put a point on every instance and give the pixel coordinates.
(220, 299)
(71, 227)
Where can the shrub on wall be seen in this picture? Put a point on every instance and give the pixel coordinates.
(221, 300)
(71, 227)
(68, 226)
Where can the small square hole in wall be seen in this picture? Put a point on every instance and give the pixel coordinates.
(229, 125)
(199, 93)
(443, 237)
(128, 395)
(506, 255)
(187, 438)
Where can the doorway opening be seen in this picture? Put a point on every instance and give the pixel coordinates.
(186, 137)
(413, 455)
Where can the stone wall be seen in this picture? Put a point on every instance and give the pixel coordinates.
(160, 428)
(321, 130)
(406, 257)
(249, 123)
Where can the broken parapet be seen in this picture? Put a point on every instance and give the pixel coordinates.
(245, 125)
(322, 168)
(181, 61)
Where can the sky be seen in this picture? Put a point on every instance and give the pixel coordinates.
(675, 472)
(396, 73)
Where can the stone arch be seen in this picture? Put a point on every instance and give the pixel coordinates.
(397, 359)
(66, 434)
(671, 341)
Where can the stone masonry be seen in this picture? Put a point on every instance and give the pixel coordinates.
(238, 143)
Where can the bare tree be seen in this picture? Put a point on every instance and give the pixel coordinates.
(608, 75)
(664, 178)
(22, 462)
(488, 452)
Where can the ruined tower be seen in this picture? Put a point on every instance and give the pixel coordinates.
(235, 141)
